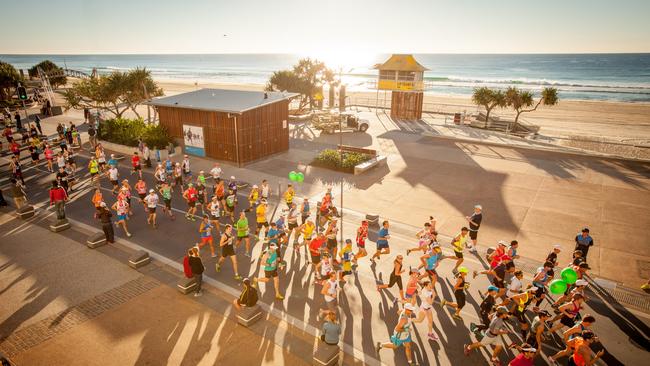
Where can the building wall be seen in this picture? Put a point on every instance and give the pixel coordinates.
(261, 132)
(406, 105)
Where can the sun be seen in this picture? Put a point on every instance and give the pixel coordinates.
(344, 59)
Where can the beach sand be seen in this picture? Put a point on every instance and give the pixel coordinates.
(620, 121)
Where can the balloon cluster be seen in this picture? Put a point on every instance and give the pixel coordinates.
(296, 177)
(569, 277)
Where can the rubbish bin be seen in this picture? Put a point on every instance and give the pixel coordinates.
(457, 118)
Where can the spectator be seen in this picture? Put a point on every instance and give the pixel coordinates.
(583, 242)
(19, 124)
(58, 196)
(248, 297)
(331, 330)
(104, 215)
(196, 264)
(18, 191)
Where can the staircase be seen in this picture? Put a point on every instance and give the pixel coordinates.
(521, 128)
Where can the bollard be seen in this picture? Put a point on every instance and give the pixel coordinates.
(25, 212)
(96, 240)
(186, 285)
(326, 354)
(60, 225)
(139, 259)
(248, 316)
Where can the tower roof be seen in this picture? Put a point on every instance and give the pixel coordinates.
(401, 62)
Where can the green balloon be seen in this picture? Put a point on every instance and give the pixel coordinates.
(569, 275)
(557, 287)
(293, 175)
(300, 177)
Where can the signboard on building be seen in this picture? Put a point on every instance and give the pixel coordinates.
(193, 140)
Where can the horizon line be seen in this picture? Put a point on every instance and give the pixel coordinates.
(307, 53)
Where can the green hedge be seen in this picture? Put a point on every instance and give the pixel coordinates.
(331, 159)
(127, 131)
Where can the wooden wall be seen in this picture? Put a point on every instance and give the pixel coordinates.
(406, 105)
(260, 131)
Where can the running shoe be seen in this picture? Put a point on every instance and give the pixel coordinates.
(645, 286)
(432, 336)
(279, 297)
(466, 350)
(129, 235)
(474, 274)
(197, 294)
(238, 277)
(472, 327)
(455, 316)
(443, 302)
(217, 267)
(213, 255)
(378, 347)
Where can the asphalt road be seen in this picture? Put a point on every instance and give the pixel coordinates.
(368, 316)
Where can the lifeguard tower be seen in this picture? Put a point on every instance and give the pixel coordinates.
(403, 76)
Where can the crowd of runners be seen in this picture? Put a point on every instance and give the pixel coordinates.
(222, 226)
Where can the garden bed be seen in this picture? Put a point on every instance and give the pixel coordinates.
(127, 132)
(331, 159)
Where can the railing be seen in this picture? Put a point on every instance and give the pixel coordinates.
(68, 72)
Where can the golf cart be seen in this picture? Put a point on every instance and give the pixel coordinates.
(347, 121)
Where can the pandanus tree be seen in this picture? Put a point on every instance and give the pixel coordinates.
(522, 101)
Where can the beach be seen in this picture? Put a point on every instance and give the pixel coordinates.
(627, 122)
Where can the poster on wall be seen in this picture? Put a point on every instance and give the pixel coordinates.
(193, 140)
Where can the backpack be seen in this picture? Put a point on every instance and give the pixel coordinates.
(186, 267)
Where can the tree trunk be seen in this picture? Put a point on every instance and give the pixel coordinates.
(487, 116)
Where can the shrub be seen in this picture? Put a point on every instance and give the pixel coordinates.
(331, 159)
(125, 131)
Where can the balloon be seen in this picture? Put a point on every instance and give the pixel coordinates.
(557, 287)
(569, 275)
(292, 176)
(300, 177)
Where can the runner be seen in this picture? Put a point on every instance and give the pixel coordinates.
(232, 185)
(486, 308)
(552, 256)
(307, 230)
(49, 157)
(543, 276)
(330, 234)
(112, 161)
(382, 242)
(526, 357)
(412, 286)
(289, 194)
(220, 192)
(228, 250)
(362, 235)
(270, 261)
(216, 171)
(425, 237)
(260, 218)
(496, 328)
(201, 197)
(571, 333)
(166, 193)
(315, 246)
(537, 329)
(101, 157)
(304, 210)
(395, 278)
(430, 262)
(141, 189)
(152, 202)
(459, 293)
(458, 243)
(113, 177)
(161, 176)
(346, 259)
(330, 294)
(499, 275)
(292, 224)
(253, 198)
(125, 191)
(190, 196)
(16, 169)
(122, 209)
(582, 354)
(93, 168)
(401, 334)
(521, 301)
(62, 179)
(474, 222)
(215, 211)
(243, 233)
(570, 313)
(231, 203)
(200, 179)
(178, 176)
(97, 198)
(265, 190)
(205, 230)
(427, 295)
(187, 173)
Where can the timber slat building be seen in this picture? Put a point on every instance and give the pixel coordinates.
(237, 126)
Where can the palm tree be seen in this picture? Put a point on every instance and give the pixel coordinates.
(489, 99)
(519, 100)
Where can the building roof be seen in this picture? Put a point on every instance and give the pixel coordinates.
(400, 62)
(222, 100)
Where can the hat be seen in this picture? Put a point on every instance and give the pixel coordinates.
(102, 204)
(409, 306)
(502, 310)
(528, 348)
(584, 265)
(478, 207)
(255, 186)
(534, 288)
(463, 270)
(502, 242)
(492, 288)
(581, 283)
(273, 246)
(151, 191)
(232, 177)
(557, 246)
(201, 172)
(112, 155)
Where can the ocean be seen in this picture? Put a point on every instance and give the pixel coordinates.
(619, 77)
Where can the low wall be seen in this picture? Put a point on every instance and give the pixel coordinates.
(129, 150)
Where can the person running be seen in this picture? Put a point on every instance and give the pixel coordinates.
(93, 168)
(412, 286)
(160, 175)
(486, 308)
(113, 177)
(459, 293)
(362, 235)
(427, 295)
(187, 172)
(200, 179)
(474, 222)
(169, 166)
(458, 243)
(304, 210)
(395, 278)
(552, 256)
(582, 354)
(499, 275)
(265, 190)
(125, 191)
(216, 172)
(315, 246)
(253, 198)
(543, 276)
(62, 179)
(141, 190)
(521, 301)
(205, 230)
(151, 201)
(569, 312)
(122, 209)
(401, 334)
(190, 196)
(330, 294)
(243, 233)
(228, 250)
(537, 328)
(97, 198)
(288, 195)
(231, 203)
(201, 197)
(575, 331)
(346, 259)
(214, 211)
(178, 176)
(49, 157)
(330, 234)
(260, 218)
(166, 194)
(270, 261)
(425, 238)
(220, 192)
(16, 169)
(112, 161)
(307, 230)
(430, 262)
(526, 357)
(382, 242)
(496, 328)
(101, 157)
(196, 264)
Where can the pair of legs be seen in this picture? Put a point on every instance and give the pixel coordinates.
(458, 305)
(394, 280)
(151, 218)
(247, 241)
(394, 346)
(210, 242)
(381, 249)
(122, 222)
(276, 282)
(429, 315)
(233, 259)
(191, 211)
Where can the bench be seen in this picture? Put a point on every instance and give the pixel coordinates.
(139, 259)
(25, 212)
(249, 315)
(376, 161)
(186, 285)
(326, 354)
(96, 240)
(60, 225)
(355, 149)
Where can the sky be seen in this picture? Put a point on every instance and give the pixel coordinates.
(323, 27)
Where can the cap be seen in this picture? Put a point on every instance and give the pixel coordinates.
(409, 306)
(201, 172)
(151, 191)
(584, 265)
(273, 246)
(190, 184)
(102, 204)
(255, 186)
(528, 348)
(463, 270)
(232, 177)
(502, 310)
(246, 280)
(557, 246)
(478, 207)
(581, 283)
(112, 155)
(502, 242)
(534, 288)
(585, 230)
(492, 288)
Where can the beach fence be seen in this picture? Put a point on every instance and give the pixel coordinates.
(638, 150)
(427, 107)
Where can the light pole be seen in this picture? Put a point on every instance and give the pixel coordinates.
(341, 159)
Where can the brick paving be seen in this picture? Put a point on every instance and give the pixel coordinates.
(47, 328)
